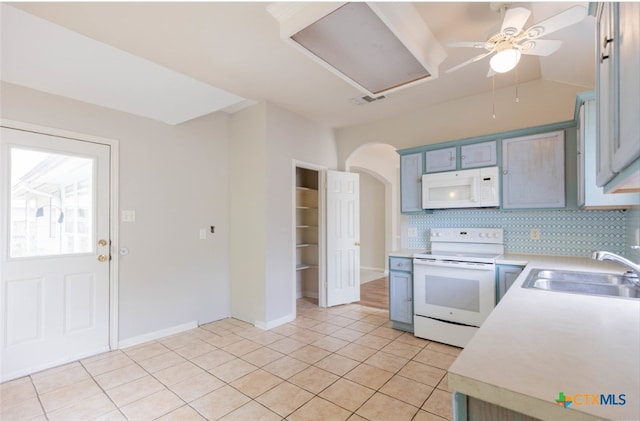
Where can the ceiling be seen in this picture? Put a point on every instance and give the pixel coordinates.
(235, 47)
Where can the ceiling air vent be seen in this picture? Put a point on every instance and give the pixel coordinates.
(361, 100)
(376, 47)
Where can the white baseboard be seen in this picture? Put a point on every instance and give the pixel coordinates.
(274, 323)
(136, 340)
(372, 269)
(310, 294)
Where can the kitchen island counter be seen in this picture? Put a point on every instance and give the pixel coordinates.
(537, 344)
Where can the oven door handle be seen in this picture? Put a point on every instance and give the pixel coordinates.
(454, 264)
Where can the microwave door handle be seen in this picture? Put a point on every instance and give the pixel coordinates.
(474, 188)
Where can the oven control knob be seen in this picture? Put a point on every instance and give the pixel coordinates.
(480, 235)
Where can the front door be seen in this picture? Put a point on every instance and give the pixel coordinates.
(54, 251)
(343, 238)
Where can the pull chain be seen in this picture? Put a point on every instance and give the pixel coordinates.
(517, 96)
(493, 95)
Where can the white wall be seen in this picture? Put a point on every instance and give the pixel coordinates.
(541, 102)
(176, 179)
(372, 222)
(266, 139)
(247, 204)
(289, 138)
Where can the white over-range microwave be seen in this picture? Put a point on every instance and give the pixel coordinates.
(475, 188)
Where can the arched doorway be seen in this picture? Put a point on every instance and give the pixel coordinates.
(378, 164)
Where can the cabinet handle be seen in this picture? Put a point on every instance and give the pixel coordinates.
(505, 172)
(607, 41)
(400, 264)
(409, 299)
(603, 58)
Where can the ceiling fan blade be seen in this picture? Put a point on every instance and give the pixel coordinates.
(569, 17)
(540, 47)
(473, 60)
(470, 44)
(514, 20)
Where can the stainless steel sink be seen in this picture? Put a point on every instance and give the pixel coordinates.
(582, 283)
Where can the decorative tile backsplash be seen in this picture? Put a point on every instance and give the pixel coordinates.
(567, 233)
(633, 235)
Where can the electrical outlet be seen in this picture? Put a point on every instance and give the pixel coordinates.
(412, 232)
(535, 233)
(128, 216)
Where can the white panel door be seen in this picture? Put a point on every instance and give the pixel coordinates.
(54, 290)
(343, 238)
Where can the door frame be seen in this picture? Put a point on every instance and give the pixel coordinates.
(113, 207)
(322, 267)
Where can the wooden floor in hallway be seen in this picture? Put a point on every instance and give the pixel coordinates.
(375, 293)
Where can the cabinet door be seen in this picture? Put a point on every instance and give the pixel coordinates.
(533, 171)
(626, 147)
(507, 274)
(581, 134)
(589, 194)
(400, 297)
(478, 155)
(411, 183)
(606, 108)
(441, 160)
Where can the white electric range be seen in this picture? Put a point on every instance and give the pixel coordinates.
(454, 284)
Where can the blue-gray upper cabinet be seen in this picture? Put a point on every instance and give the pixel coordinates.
(590, 196)
(533, 173)
(478, 155)
(617, 87)
(473, 155)
(440, 160)
(411, 183)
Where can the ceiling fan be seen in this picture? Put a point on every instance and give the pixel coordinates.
(512, 41)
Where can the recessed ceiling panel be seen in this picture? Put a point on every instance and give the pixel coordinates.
(376, 47)
(355, 41)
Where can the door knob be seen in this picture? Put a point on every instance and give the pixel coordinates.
(357, 243)
(102, 258)
(102, 243)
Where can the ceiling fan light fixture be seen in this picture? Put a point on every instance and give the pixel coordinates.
(505, 60)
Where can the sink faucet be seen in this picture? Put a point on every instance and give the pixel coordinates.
(632, 275)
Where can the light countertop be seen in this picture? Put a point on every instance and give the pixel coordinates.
(405, 252)
(536, 344)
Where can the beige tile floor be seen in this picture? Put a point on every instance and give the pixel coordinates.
(342, 363)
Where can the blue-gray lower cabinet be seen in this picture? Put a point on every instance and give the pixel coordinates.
(505, 275)
(401, 293)
(467, 408)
